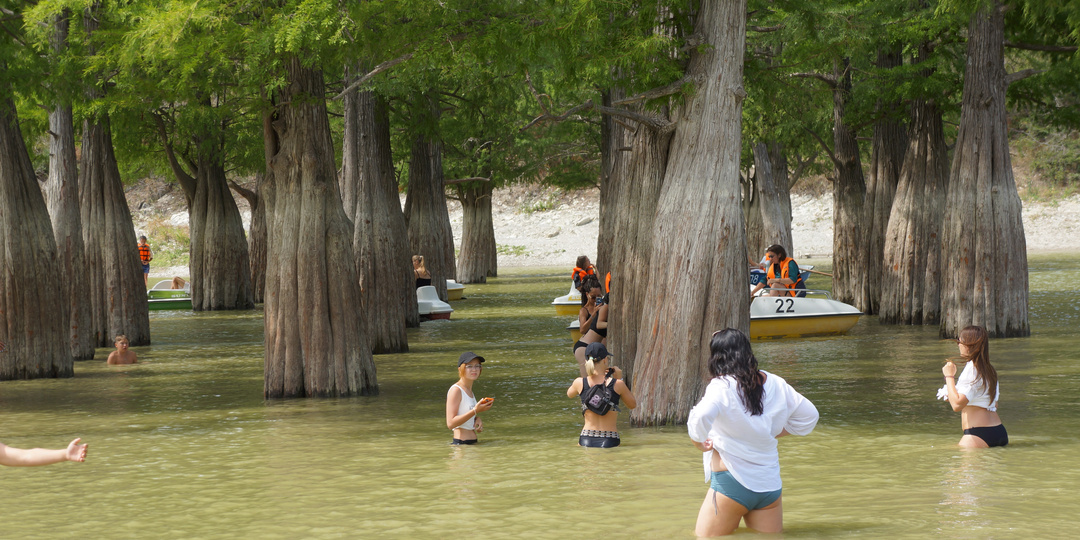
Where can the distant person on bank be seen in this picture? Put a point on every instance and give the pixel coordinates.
(462, 407)
(975, 393)
(600, 389)
(17, 457)
(782, 272)
(736, 424)
(145, 255)
(122, 355)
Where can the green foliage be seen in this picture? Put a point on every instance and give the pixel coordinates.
(511, 250)
(1051, 154)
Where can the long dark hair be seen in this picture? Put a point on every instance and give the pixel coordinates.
(731, 355)
(978, 343)
(588, 284)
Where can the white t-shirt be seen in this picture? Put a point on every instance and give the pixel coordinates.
(975, 391)
(466, 405)
(746, 443)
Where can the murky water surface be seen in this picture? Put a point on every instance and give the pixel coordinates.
(184, 446)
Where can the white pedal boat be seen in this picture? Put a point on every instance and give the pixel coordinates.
(429, 305)
(786, 316)
(454, 290)
(568, 304)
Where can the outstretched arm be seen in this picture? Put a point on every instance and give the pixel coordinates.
(17, 457)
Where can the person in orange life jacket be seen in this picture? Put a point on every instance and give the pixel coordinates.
(783, 273)
(582, 269)
(588, 316)
(145, 255)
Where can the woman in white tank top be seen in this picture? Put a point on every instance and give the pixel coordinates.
(461, 403)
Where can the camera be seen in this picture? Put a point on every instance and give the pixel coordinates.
(610, 372)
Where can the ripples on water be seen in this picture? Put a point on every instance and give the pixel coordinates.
(184, 446)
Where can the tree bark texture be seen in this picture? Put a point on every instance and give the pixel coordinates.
(62, 197)
(633, 208)
(911, 277)
(984, 268)
(698, 275)
(772, 201)
(256, 239)
(886, 159)
(117, 290)
(315, 342)
(478, 259)
(613, 137)
(35, 334)
(850, 266)
(380, 238)
(428, 219)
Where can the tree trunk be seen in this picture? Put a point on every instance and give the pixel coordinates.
(478, 255)
(886, 159)
(634, 212)
(428, 219)
(911, 279)
(773, 201)
(62, 188)
(315, 343)
(984, 270)
(613, 137)
(850, 266)
(697, 274)
(256, 239)
(35, 334)
(117, 289)
(380, 240)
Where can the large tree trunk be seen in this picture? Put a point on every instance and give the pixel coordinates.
(697, 268)
(886, 158)
(478, 257)
(380, 239)
(850, 266)
(428, 219)
(634, 211)
(911, 279)
(62, 188)
(117, 289)
(614, 137)
(772, 201)
(35, 335)
(315, 342)
(984, 269)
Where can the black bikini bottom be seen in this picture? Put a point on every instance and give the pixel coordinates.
(992, 436)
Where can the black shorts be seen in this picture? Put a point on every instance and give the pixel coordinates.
(992, 436)
(579, 344)
(463, 441)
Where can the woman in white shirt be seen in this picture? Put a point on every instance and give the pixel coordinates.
(736, 425)
(975, 393)
(461, 403)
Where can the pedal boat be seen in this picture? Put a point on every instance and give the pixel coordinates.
(163, 297)
(429, 305)
(786, 316)
(454, 290)
(568, 304)
(575, 330)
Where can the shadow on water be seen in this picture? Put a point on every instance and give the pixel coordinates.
(184, 445)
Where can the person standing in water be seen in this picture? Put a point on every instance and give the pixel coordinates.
(462, 406)
(975, 393)
(735, 425)
(145, 255)
(600, 389)
(35, 457)
(122, 355)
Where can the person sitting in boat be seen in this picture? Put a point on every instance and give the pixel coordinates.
(600, 389)
(122, 355)
(423, 277)
(583, 269)
(783, 273)
(592, 320)
(178, 283)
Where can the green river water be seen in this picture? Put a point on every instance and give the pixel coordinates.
(183, 445)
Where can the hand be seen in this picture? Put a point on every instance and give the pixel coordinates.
(949, 369)
(618, 372)
(703, 446)
(478, 426)
(76, 451)
(483, 405)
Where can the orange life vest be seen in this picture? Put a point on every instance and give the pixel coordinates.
(784, 271)
(578, 274)
(144, 253)
(607, 283)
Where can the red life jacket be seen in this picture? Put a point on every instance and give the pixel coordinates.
(784, 271)
(144, 253)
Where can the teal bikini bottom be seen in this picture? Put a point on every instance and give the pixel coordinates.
(726, 485)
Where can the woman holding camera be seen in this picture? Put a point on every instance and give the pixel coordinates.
(736, 424)
(600, 390)
(592, 319)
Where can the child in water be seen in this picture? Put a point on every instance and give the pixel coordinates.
(462, 407)
(122, 355)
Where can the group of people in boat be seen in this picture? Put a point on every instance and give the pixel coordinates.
(743, 412)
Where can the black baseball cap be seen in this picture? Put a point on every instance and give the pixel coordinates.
(596, 351)
(467, 357)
